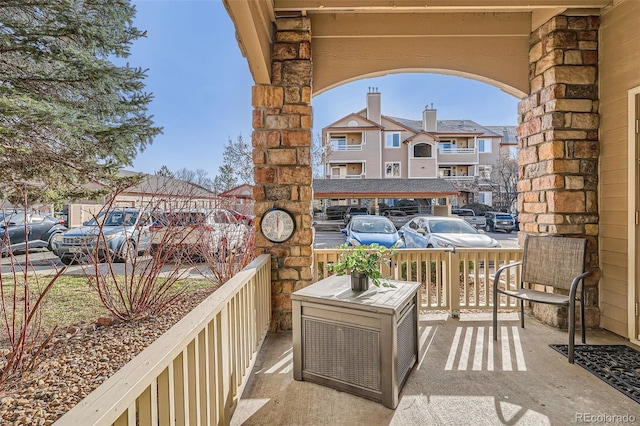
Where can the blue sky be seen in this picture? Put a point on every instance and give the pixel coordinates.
(202, 88)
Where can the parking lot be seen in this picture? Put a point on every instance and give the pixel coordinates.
(328, 235)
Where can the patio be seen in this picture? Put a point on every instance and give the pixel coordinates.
(462, 377)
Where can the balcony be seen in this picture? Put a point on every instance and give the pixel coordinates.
(457, 155)
(348, 147)
(360, 176)
(218, 365)
(459, 178)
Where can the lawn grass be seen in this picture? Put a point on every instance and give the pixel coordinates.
(71, 301)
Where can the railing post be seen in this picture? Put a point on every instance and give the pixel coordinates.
(453, 282)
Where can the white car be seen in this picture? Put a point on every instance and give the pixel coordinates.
(198, 233)
(443, 232)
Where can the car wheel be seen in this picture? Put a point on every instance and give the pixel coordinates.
(66, 260)
(487, 227)
(50, 242)
(127, 250)
(509, 231)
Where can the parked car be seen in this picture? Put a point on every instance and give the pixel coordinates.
(443, 232)
(354, 211)
(247, 219)
(125, 232)
(41, 229)
(336, 212)
(370, 229)
(398, 217)
(197, 233)
(470, 216)
(498, 221)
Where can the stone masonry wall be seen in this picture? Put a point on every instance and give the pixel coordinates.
(559, 146)
(282, 122)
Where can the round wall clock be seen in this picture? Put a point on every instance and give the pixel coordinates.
(277, 225)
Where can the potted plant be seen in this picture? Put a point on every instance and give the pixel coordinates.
(363, 263)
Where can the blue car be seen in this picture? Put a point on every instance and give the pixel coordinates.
(370, 229)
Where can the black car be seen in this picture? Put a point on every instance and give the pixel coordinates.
(23, 231)
(498, 221)
(354, 211)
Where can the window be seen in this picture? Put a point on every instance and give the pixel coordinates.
(422, 150)
(485, 198)
(446, 146)
(392, 140)
(339, 143)
(445, 171)
(484, 172)
(392, 170)
(484, 145)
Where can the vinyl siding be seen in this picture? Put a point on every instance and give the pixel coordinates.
(619, 63)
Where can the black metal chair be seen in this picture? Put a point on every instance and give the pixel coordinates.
(557, 262)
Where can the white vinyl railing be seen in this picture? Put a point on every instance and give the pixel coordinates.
(352, 147)
(451, 280)
(195, 372)
(457, 150)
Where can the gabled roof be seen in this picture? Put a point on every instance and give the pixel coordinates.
(410, 138)
(241, 191)
(382, 188)
(333, 126)
(509, 134)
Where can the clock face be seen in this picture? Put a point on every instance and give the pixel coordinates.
(277, 225)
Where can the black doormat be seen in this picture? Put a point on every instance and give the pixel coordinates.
(617, 365)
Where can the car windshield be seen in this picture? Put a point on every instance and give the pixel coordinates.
(115, 218)
(451, 227)
(373, 227)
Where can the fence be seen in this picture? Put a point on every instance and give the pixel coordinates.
(196, 371)
(451, 280)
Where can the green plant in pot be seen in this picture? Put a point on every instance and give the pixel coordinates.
(363, 263)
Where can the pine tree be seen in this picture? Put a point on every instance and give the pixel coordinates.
(165, 172)
(68, 114)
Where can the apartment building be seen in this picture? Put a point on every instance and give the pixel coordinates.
(370, 145)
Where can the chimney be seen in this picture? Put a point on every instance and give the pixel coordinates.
(374, 112)
(429, 121)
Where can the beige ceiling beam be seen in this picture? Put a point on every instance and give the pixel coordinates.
(329, 6)
(253, 21)
(353, 25)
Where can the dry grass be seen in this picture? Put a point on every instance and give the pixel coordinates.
(71, 301)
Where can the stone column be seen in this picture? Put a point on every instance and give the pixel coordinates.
(559, 147)
(282, 122)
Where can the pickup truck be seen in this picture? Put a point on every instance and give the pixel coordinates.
(470, 216)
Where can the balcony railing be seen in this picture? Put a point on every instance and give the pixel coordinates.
(457, 150)
(196, 371)
(361, 176)
(347, 147)
(459, 178)
(450, 280)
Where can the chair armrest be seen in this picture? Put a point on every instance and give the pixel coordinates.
(496, 278)
(574, 284)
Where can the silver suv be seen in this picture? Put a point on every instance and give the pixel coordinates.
(115, 234)
(498, 221)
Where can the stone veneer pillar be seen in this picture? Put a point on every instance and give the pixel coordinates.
(282, 122)
(559, 147)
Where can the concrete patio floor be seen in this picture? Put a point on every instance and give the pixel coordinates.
(462, 377)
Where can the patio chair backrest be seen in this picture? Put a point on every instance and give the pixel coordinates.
(553, 261)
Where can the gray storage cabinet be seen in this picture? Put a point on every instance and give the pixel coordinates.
(363, 342)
